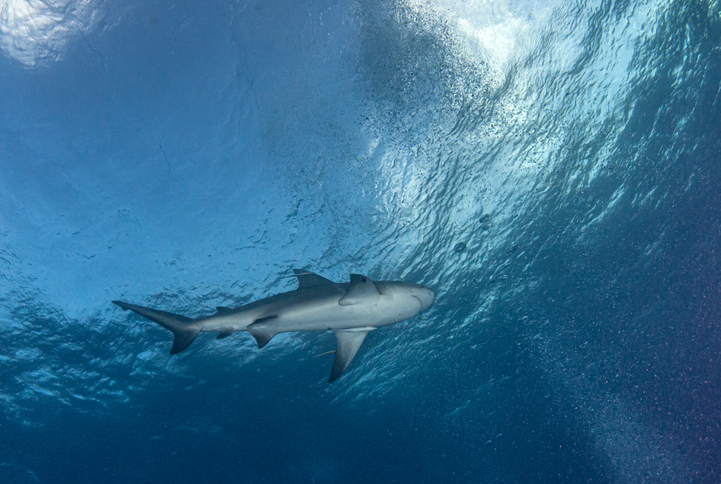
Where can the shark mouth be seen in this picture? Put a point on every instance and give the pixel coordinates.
(420, 303)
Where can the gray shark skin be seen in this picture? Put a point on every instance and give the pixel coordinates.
(350, 310)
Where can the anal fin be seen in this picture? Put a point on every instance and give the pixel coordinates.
(260, 330)
(261, 335)
(225, 332)
(182, 339)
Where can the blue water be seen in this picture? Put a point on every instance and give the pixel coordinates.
(552, 171)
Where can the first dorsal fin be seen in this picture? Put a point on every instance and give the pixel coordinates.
(308, 279)
(223, 310)
(361, 288)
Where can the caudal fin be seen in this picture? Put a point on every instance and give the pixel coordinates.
(182, 327)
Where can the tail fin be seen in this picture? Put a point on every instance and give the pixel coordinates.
(180, 325)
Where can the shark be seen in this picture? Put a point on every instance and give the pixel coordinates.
(350, 309)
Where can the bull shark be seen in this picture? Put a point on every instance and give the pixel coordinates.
(350, 309)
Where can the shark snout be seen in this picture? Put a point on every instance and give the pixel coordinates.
(425, 296)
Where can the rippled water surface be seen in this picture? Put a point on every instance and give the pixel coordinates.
(550, 170)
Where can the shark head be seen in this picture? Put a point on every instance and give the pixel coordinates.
(414, 298)
(424, 295)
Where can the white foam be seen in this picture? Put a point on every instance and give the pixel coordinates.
(490, 30)
(37, 31)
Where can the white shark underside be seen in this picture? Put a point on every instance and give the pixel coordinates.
(350, 310)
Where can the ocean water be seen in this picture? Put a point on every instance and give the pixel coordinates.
(552, 170)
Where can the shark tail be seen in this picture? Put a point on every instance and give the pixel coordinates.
(183, 330)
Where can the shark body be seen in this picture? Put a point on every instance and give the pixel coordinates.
(351, 310)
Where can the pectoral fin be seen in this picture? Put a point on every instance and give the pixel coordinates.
(361, 288)
(348, 343)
